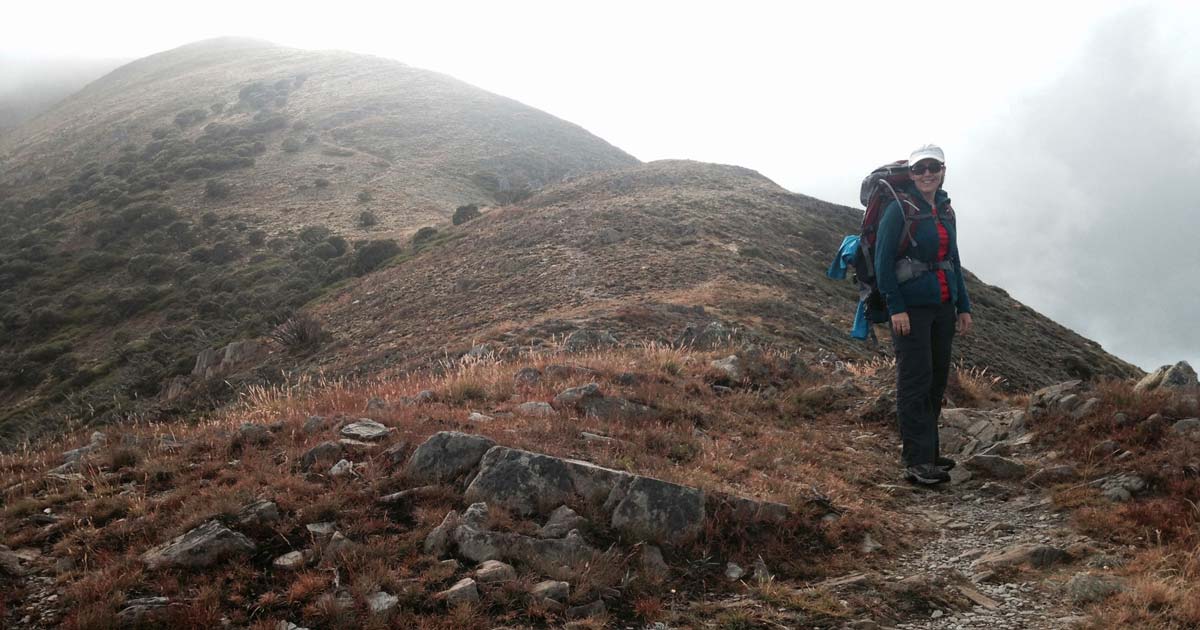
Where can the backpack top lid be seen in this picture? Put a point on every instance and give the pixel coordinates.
(895, 173)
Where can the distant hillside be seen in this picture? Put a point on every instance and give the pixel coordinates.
(643, 252)
(204, 194)
(233, 190)
(29, 86)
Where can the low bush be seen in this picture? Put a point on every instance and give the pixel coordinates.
(314, 234)
(424, 235)
(291, 145)
(216, 189)
(372, 254)
(190, 117)
(367, 219)
(300, 332)
(364, 196)
(462, 214)
(321, 182)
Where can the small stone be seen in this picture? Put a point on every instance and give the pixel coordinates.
(562, 520)
(527, 376)
(250, 434)
(323, 452)
(365, 429)
(996, 466)
(477, 417)
(463, 591)
(322, 529)
(490, 571)
(290, 561)
(382, 602)
(552, 590)
(594, 609)
(314, 424)
(869, 545)
(1085, 588)
(733, 572)
(653, 563)
(341, 469)
(1086, 409)
(936, 614)
(536, 410)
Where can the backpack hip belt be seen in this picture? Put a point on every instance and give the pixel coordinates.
(908, 268)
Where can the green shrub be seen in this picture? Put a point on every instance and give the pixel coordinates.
(364, 196)
(423, 235)
(372, 254)
(324, 251)
(321, 182)
(216, 189)
(94, 261)
(339, 244)
(367, 219)
(462, 214)
(209, 219)
(190, 117)
(256, 238)
(302, 332)
(315, 234)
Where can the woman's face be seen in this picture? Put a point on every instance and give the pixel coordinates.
(924, 176)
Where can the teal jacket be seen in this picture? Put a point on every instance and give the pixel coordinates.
(924, 289)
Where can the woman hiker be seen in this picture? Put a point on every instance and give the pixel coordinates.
(928, 303)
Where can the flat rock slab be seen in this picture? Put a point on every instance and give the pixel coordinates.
(446, 456)
(996, 466)
(366, 430)
(203, 546)
(463, 591)
(659, 511)
(530, 483)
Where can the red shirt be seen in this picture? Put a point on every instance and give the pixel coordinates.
(943, 251)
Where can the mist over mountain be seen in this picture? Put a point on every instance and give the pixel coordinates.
(30, 85)
(1095, 218)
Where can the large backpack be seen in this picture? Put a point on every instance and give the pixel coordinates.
(886, 184)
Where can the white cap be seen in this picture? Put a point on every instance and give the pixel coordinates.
(925, 152)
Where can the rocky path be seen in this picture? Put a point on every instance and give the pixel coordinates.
(982, 535)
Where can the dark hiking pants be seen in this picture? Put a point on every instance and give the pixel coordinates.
(922, 367)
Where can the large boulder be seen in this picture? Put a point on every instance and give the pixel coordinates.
(658, 511)
(1178, 376)
(446, 456)
(530, 483)
(201, 547)
(967, 431)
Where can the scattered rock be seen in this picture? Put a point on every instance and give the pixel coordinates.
(322, 529)
(463, 592)
(323, 453)
(201, 547)
(1085, 588)
(562, 520)
(477, 417)
(594, 609)
(596, 438)
(1105, 448)
(365, 429)
(290, 561)
(1178, 376)
(338, 545)
(446, 456)
(527, 376)
(10, 563)
(343, 468)
(1038, 556)
(1053, 474)
(490, 571)
(1122, 487)
(377, 404)
(260, 513)
(1186, 426)
(587, 339)
(536, 410)
(250, 434)
(869, 545)
(395, 455)
(614, 408)
(653, 564)
(314, 424)
(142, 611)
(730, 367)
(573, 396)
(712, 335)
(996, 466)
(552, 590)
(437, 542)
(1086, 409)
(733, 572)
(381, 602)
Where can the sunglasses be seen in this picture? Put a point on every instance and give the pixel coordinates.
(921, 169)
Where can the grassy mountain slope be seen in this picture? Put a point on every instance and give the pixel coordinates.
(204, 194)
(645, 250)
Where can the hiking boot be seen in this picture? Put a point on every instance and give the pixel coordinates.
(926, 474)
(945, 463)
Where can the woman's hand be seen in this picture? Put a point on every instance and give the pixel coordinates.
(964, 323)
(900, 324)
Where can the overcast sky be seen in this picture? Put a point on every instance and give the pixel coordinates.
(1071, 129)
